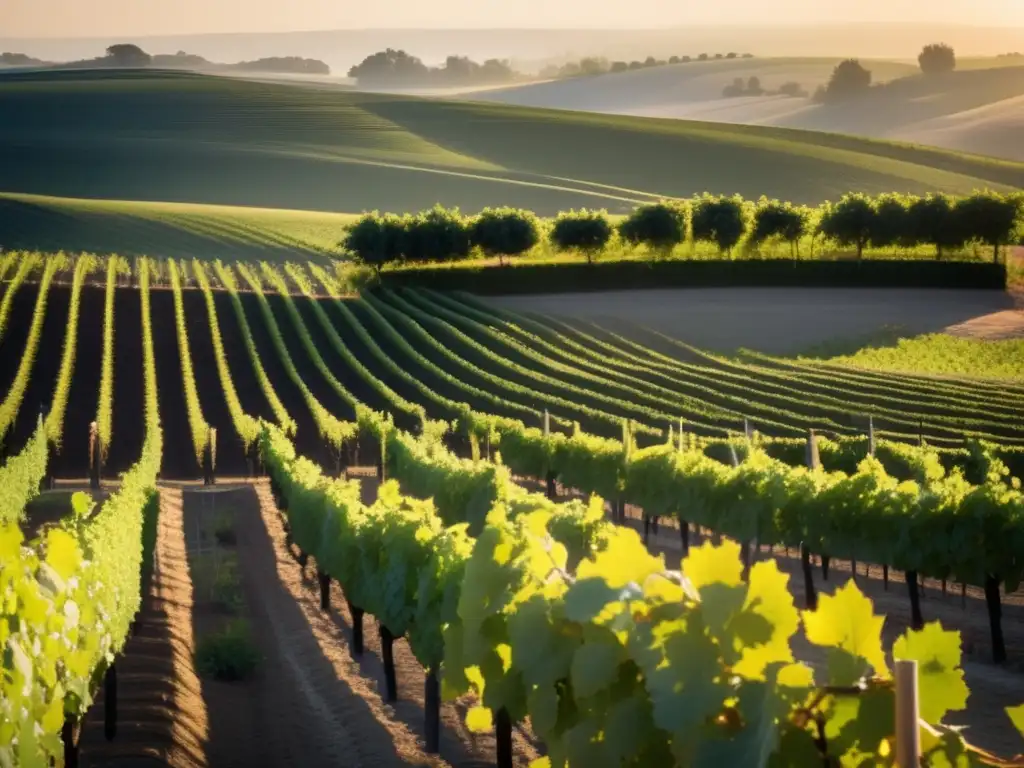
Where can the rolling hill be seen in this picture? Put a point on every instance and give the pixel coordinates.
(979, 108)
(152, 136)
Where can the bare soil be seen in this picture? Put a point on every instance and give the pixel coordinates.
(162, 719)
(780, 320)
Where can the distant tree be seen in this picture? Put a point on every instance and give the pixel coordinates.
(731, 55)
(593, 66)
(781, 220)
(585, 231)
(497, 71)
(719, 56)
(19, 60)
(748, 55)
(636, 65)
(505, 232)
(733, 89)
(287, 64)
(849, 222)
(848, 79)
(650, 61)
(792, 89)
(128, 55)
(990, 218)
(891, 224)
(720, 220)
(685, 60)
(437, 235)
(673, 59)
(754, 87)
(933, 220)
(659, 226)
(390, 66)
(376, 240)
(619, 66)
(702, 57)
(936, 59)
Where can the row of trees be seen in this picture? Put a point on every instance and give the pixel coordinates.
(752, 87)
(396, 67)
(856, 221)
(593, 65)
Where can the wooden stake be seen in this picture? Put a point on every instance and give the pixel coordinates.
(387, 642)
(357, 629)
(908, 735)
(916, 618)
(503, 738)
(432, 713)
(110, 702)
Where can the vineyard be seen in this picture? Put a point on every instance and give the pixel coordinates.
(518, 458)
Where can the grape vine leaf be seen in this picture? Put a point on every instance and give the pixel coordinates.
(846, 624)
(625, 559)
(856, 726)
(1016, 715)
(768, 599)
(940, 680)
(479, 720)
(595, 666)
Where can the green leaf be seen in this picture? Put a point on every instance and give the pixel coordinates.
(588, 598)
(846, 624)
(1016, 715)
(595, 666)
(81, 504)
(479, 720)
(941, 686)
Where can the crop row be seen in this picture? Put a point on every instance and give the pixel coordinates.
(748, 390)
(522, 615)
(197, 422)
(105, 407)
(68, 600)
(12, 401)
(20, 477)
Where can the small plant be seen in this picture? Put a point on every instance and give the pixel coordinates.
(228, 655)
(224, 530)
(227, 586)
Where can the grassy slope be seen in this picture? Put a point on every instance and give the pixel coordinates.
(941, 354)
(977, 108)
(181, 138)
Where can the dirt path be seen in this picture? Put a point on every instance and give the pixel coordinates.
(162, 717)
(310, 703)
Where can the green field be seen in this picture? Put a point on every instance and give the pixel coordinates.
(174, 137)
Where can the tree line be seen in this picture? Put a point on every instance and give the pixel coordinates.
(132, 56)
(855, 221)
(397, 67)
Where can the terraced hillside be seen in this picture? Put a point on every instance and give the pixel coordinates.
(178, 138)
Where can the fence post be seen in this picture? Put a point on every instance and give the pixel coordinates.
(872, 443)
(387, 642)
(325, 590)
(547, 423)
(95, 456)
(210, 458)
(110, 702)
(432, 712)
(908, 737)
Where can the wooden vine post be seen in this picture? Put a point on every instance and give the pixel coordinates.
(995, 618)
(908, 734)
(357, 628)
(110, 702)
(387, 643)
(810, 595)
(503, 738)
(95, 456)
(684, 526)
(381, 458)
(210, 459)
(872, 442)
(432, 712)
(916, 617)
(324, 581)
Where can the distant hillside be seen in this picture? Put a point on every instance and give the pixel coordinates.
(178, 137)
(534, 48)
(979, 108)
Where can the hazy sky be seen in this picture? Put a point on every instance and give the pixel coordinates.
(104, 18)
